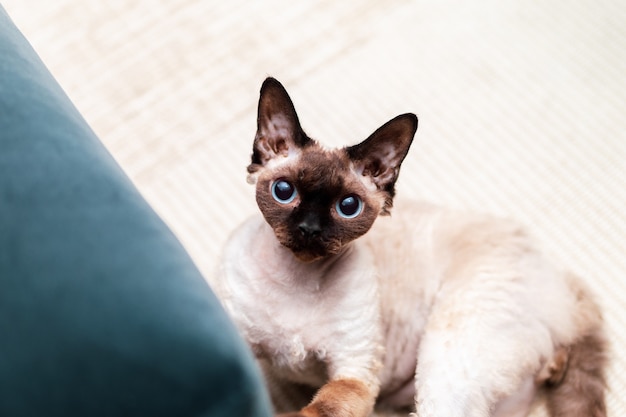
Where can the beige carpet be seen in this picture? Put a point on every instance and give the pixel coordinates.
(521, 104)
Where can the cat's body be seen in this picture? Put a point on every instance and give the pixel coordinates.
(450, 314)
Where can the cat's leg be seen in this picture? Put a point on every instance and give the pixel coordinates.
(352, 367)
(480, 347)
(579, 390)
(285, 395)
(339, 398)
(457, 380)
(493, 328)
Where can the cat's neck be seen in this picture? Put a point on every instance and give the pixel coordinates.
(281, 266)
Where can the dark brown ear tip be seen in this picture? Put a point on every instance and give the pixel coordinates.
(271, 82)
(411, 118)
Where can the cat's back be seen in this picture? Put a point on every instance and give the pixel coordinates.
(421, 247)
(424, 253)
(423, 237)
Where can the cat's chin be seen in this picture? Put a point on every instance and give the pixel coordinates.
(306, 257)
(309, 255)
(303, 250)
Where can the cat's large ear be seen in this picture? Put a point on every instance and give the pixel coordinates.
(278, 128)
(380, 155)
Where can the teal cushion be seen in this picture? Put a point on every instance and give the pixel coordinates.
(102, 312)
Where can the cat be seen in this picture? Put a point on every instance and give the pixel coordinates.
(430, 310)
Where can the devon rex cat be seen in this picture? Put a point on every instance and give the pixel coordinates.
(433, 311)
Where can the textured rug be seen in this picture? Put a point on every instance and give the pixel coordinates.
(521, 105)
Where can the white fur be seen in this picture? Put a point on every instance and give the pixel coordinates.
(289, 158)
(464, 306)
(366, 180)
(326, 319)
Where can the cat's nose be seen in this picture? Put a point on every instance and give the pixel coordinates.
(310, 228)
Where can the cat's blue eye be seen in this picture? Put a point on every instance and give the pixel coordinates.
(283, 191)
(349, 207)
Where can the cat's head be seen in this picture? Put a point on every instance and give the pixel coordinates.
(317, 199)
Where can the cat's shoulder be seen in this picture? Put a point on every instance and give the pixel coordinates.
(425, 218)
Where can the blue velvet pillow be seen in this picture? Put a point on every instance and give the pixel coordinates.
(102, 313)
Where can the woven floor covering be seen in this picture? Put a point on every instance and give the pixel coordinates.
(521, 105)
